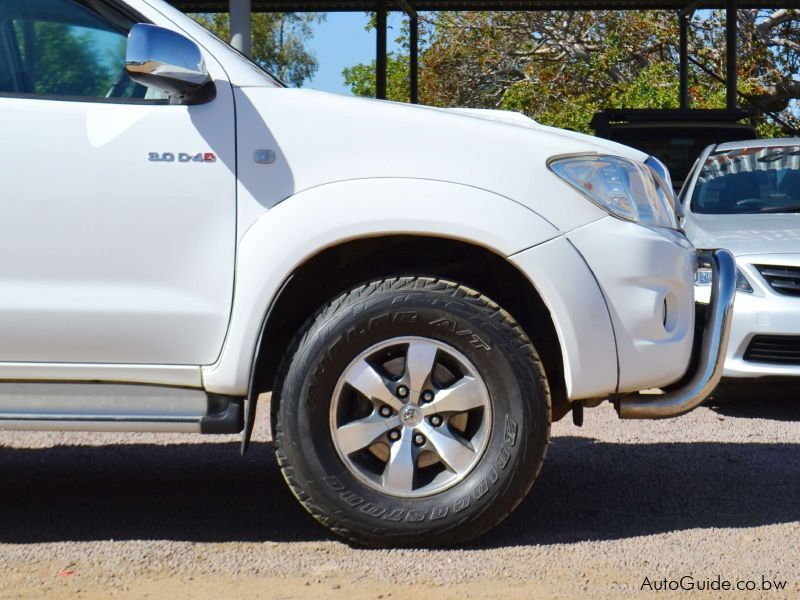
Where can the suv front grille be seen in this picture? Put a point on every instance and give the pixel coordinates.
(784, 280)
(776, 349)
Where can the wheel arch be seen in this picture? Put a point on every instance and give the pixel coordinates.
(280, 240)
(359, 261)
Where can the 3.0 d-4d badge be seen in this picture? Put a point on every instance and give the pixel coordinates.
(181, 157)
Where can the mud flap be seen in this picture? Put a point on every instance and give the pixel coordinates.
(255, 384)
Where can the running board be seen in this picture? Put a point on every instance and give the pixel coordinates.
(116, 407)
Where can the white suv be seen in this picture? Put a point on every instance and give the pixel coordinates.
(422, 290)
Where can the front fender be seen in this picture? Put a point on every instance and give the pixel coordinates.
(286, 236)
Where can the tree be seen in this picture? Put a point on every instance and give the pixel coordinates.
(562, 66)
(361, 78)
(278, 41)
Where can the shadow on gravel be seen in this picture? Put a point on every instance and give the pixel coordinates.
(588, 490)
(591, 490)
(194, 492)
(774, 400)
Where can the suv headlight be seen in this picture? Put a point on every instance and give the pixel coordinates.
(625, 188)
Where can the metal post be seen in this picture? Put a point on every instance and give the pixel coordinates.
(731, 78)
(413, 59)
(684, 60)
(380, 51)
(241, 25)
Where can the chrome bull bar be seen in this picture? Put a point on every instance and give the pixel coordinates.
(713, 348)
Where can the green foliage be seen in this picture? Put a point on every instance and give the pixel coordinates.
(278, 42)
(576, 117)
(655, 86)
(769, 129)
(560, 67)
(361, 78)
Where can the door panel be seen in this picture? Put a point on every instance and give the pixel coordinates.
(105, 255)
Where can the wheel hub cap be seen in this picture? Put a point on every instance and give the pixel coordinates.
(410, 416)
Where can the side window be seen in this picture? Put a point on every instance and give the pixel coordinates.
(64, 48)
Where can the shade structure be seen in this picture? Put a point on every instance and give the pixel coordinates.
(682, 8)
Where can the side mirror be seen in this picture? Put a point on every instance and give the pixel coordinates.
(165, 60)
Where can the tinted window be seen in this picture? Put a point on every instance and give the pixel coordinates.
(750, 180)
(63, 48)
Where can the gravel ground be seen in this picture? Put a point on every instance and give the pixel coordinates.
(711, 494)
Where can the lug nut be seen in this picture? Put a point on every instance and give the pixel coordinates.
(402, 391)
(436, 420)
(385, 411)
(394, 435)
(419, 439)
(427, 396)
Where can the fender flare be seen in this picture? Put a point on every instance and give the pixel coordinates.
(285, 237)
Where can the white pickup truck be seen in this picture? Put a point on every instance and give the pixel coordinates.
(422, 290)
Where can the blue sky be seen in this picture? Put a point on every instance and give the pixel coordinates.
(341, 41)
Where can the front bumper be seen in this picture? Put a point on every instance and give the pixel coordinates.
(763, 312)
(621, 297)
(647, 278)
(708, 366)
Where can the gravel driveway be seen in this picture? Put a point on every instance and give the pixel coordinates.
(712, 494)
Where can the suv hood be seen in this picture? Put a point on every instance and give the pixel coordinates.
(516, 118)
(321, 138)
(746, 234)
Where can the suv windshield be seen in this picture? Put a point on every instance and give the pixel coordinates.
(272, 77)
(762, 179)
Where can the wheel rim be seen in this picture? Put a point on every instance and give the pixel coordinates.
(410, 416)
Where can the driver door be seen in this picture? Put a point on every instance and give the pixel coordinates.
(118, 209)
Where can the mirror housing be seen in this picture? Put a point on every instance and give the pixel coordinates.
(163, 59)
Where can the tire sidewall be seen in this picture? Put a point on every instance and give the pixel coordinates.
(518, 433)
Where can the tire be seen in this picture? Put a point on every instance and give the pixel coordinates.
(398, 328)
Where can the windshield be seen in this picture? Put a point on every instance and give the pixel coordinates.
(274, 78)
(214, 44)
(749, 180)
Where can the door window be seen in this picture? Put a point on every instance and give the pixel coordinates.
(66, 49)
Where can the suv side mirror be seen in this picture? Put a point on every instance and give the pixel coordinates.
(165, 60)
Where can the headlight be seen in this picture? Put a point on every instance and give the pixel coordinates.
(703, 278)
(625, 188)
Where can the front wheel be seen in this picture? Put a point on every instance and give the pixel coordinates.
(413, 412)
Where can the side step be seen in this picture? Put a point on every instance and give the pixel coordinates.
(116, 407)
